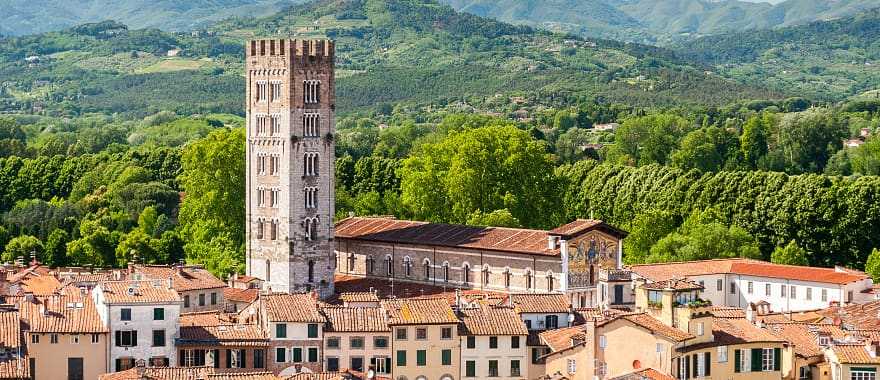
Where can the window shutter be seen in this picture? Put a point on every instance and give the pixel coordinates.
(696, 365)
(228, 358)
(118, 362)
(118, 338)
(134, 338)
(777, 363)
(756, 359)
(243, 362)
(708, 358)
(180, 359)
(737, 362)
(388, 364)
(675, 369)
(216, 358)
(687, 367)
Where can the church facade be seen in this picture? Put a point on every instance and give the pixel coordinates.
(574, 259)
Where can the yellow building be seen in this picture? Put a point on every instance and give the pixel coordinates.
(425, 341)
(853, 361)
(65, 337)
(571, 350)
(493, 342)
(808, 342)
(356, 338)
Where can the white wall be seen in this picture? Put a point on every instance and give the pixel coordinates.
(536, 320)
(142, 321)
(481, 354)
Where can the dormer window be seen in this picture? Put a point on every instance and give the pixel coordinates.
(824, 340)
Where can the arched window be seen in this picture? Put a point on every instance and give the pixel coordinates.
(445, 272)
(371, 263)
(485, 276)
(427, 266)
(528, 280)
(407, 266)
(259, 228)
(314, 230)
(466, 274)
(311, 271)
(389, 266)
(506, 278)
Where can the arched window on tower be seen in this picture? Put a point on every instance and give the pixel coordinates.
(389, 266)
(528, 280)
(268, 271)
(427, 267)
(407, 266)
(314, 230)
(311, 271)
(466, 274)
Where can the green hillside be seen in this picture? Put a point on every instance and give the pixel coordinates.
(399, 51)
(825, 60)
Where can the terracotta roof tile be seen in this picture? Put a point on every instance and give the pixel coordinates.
(183, 278)
(382, 286)
(159, 373)
(561, 339)
(857, 316)
(355, 319)
(805, 337)
(206, 318)
(300, 307)
(734, 331)
(243, 376)
(579, 226)
(61, 314)
(582, 314)
(654, 325)
(855, 353)
(240, 295)
(673, 284)
(665, 271)
(14, 366)
(223, 335)
(155, 291)
(359, 297)
(388, 230)
(645, 374)
(40, 285)
(419, 311)
(728, 312)
(491, 320)
(319, 376)
(540, 303)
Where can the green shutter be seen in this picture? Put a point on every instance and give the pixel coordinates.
(695, 360)
(737, 362)
(446, 357)
(313, 354)
(401, 358)
(313, 330)
(777, 359)
(756, 359)
(687, 367)
(297, 355)
(470, 368)
(708, 358)
(863, 369)
(421, 359)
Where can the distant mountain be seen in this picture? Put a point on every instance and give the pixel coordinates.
(661, 21)
(823, 59)
(20, 17)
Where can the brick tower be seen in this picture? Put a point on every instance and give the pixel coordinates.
(290, 164)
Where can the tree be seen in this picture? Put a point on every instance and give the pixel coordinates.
(645, 231)
(753, 141)
(488, 168)
(872, 266)
(56, 248)
(704, 236)
(25, 246)
(497, 218)
(791, 254)
(212, 214)
(706, 149)
(137, 246)
(804, 141)
(647, 139)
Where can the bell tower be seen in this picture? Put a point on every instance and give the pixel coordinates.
(291, 98)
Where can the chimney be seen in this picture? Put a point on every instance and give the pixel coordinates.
(29, 296)
(750, 313)
(551, 242)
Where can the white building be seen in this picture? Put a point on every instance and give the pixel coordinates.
(740, 282)
(143, 318)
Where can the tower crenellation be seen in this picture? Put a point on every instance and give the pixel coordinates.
(290, 163)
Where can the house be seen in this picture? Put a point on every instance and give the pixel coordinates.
(295, 330)
(65, 336)
(853, 361)
(199, 289)
(808, 343)
(608, 127)
(493, 342)
(143, 319)
(13, 352)
(425, 338)
(571, 352)
(740, 282)
(225, 347)
(357, 338)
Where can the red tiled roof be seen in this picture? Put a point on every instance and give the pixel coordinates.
(355, 319)
(359, 297)
(747, 267)
(14, 366)
(540, 303)
(183, 278)
(673, 284)
(382, 286)
(491, 320)
(859, 316)
(40, 285)
(243, 376)
(645, 374)
(206, 318)
(299, 307)
(10, 329)
(419, 311)
(159, 373)
(155, 291)
(652, 324)
(561, 339)
(223, 335)
(389, 230)
(854, 354)
(579, 226)
(61, 314)
(240, 295)
(805, 337)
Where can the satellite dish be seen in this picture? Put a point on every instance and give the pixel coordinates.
(131, 290)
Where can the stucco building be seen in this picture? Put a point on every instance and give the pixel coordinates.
(425, 339)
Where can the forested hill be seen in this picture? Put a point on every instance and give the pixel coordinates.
(390, 52)
(828, 59)
(660, 21)
(21, 17)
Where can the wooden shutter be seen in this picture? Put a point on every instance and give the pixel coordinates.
(118, 338)
(696, 365)
(243, 362)
(707, 356)
(737, 362)
(756, 359)
(777, 359)
(134, 338)
(687, 367)
(228, 358)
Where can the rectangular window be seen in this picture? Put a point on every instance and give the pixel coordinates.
(74, 339)
(125, 314)
(35, 338)
(793, 291)
(471, 342)
(380, 342)
(722, 354)
(719, 285)
(858, 373)
(767, 359)
(158, 314)
(493, 368)
(782, 291)
(602, 342)
(446, 333)
(126, 338)
(186, 298)
(96, 338)
(259, 358)
(470, 368)
(400, 333)
(332, 364)
(281, 330)
(446, 357)
(514, 368)
(280, 355)
(313, 354)
(213, 298)
(809, 294)
(751, 287)
(356, 342)
(514, 342)
(732, 287)
(333, 342)
(356, 363)
(421, 333)
(53, 338)
(313, 330)
(824, 295)
(158, 338)
(401, 358)
(421, 358)
(572, 365)
(767, 290)
(381, 364)
(202, 299)
(700, 329)
(296, 354)
(493, 342)
(701, 366)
